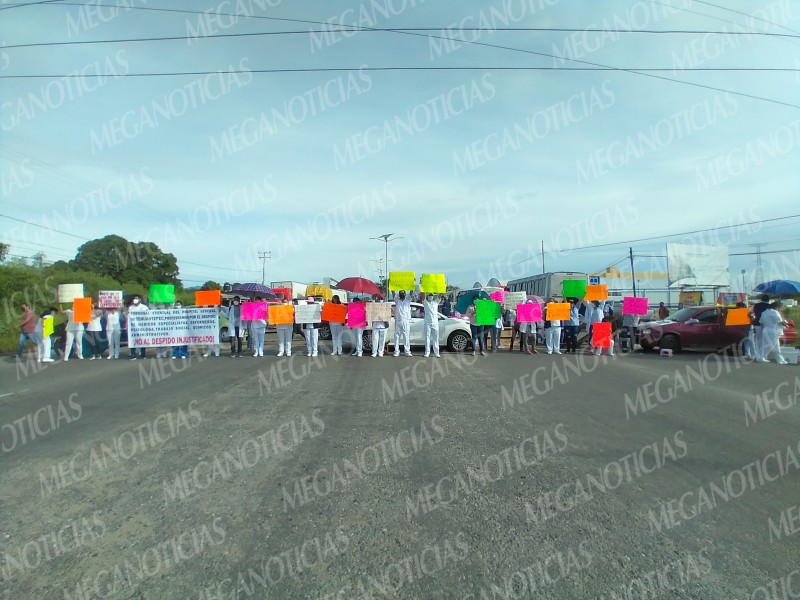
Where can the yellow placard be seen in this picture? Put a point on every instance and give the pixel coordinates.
(433, 283)
(558, 311)
(47, 326)
(737, 316)
(596, 292)
(402, 280)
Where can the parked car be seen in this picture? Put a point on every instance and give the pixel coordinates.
(454, 333)
(699, 328)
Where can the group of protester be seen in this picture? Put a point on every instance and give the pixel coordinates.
(763, 339)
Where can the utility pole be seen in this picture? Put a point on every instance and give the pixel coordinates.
(633, 273)
(264, 256)
(542, 257)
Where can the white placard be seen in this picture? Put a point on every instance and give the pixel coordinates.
(511, 299)
(308, 313)
(378, 311)
(110, 299)
(173, 327)
(67, 292)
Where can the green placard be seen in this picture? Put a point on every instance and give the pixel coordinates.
(574, 288)
(162, 293)
(484, 312)
(498, 310)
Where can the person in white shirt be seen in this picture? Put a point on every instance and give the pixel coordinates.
(43, 342)
(285, 333)
(258, 328)
(213, 348)
(552, 335)
(113, 332)
(136, 306)
(431, 306)
(74, 334)
(358, 337)
(311, 332)
(236, 327)
(378, 337)
(181, 351)
(94, 329)
(596, 314)
(772, 325)
(402, 322)
(337, 329)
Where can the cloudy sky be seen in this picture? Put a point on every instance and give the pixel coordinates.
(303, 143)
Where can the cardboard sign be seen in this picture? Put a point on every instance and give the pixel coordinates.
(558, 311)
(334, 313)
(67, 292)
(601, 335)
(109, 299)
(529, 313)
(307, 313)
(82, 310)
(596, 292)
(737, 316)
(573, 288)
(254, 311)
(432, 283)
(378, 311)
(402, 280)
(47, 326)
(357, 315)
(173, 327)
(161, 293)
(208, 298)
(281, 314)
(484, 312)
(512, 299)
(634, 306)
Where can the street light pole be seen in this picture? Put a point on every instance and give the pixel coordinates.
(386, 238)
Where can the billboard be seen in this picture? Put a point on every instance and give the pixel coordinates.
(698, 266)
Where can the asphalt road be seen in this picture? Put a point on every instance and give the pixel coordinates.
(505, 476)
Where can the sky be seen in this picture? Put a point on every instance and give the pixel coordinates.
(463, 151)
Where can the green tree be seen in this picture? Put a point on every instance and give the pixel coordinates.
(211, 285)
(141, 263)
(4, 248)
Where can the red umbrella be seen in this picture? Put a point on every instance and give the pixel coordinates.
(358, 285)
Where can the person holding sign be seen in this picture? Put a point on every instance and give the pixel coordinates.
(379, 337)
(180, 351)
(358, 332)
(552, 333)
(74, 334)
(136, 306)
(42, 333)
(285, 332)
(337, 329)
(213, 348)
(402, 322)
(113, 332)
(311, 331)
(431, 305)
(235, 327)
(477, 330)
(258, 328)
(571, 329)
(94, 331)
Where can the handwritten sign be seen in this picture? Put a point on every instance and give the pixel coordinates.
(47, 326)
(82, 310)
(378, 311)
(596, 292)
(357, 315)
(162, 293)
(334, 313)
(573, 288)
(432, 283)
(173, 327)
(737, 316)
(634, 306)
(601, 335)
(529, 313)
(254, 311)
(512, 299)
(207, 298)
(402, 280)
(67, 292)
(308, 313)
(558, 311)
(281, 314)
(109, 299)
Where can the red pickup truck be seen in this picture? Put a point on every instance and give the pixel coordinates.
(699, 328)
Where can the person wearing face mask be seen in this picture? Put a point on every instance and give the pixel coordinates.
(179, 351)
(258, 329)
(311, 332)
(136, 306)
(402, 322)
(113, 332)
(358, 337)
(285, 333)
(235, 327)
(213, 348)
(431, 304)
(336, 331)
(94, 331)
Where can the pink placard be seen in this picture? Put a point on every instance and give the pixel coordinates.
(529, 313)
(254, 311)
(634, 306)
(357, 315)
(498, 296)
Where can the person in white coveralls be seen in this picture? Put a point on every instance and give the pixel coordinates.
(431, 304)
(402, 322)
(772, 325)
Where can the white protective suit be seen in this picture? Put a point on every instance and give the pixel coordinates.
(772, 329)
(402, 324)
(431, 304)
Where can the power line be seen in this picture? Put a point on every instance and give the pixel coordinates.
(395, 30)
(28, 4)
(44, 227)
(738, 12)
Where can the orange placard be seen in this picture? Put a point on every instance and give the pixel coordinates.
(737, 316)
(596, 292)
(334, 313)
(281, 314)
(82, 310)
(208, 298)
(558, 311)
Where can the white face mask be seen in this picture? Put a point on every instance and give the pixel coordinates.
(177, 306)
(136, 301)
